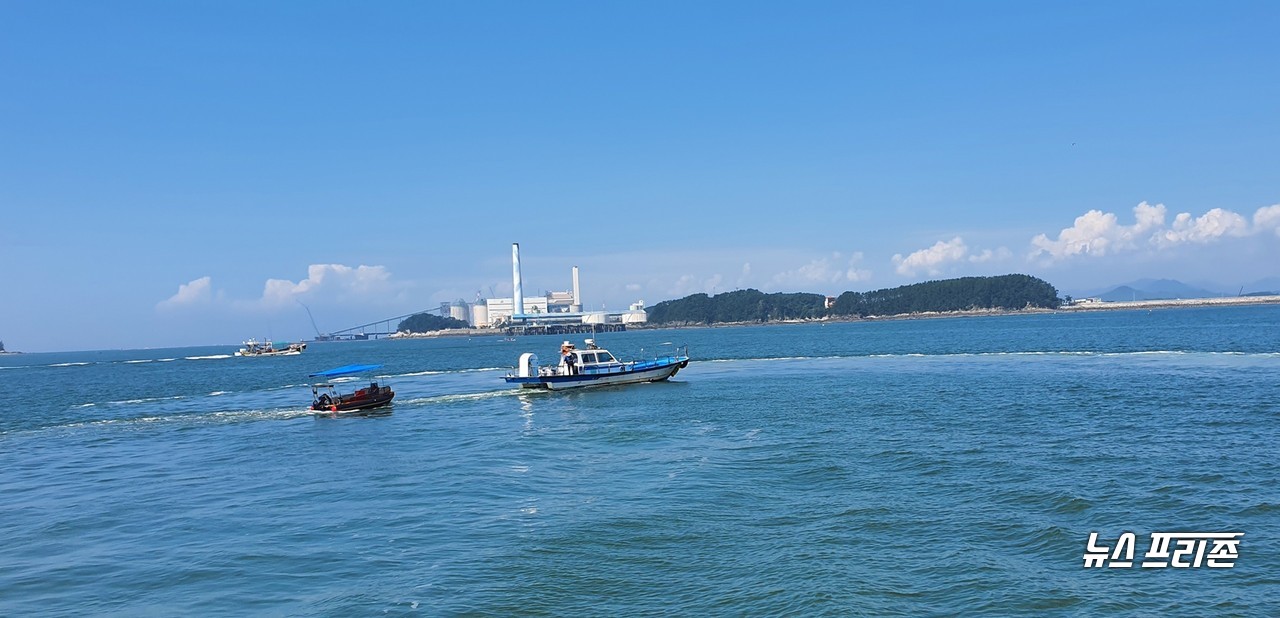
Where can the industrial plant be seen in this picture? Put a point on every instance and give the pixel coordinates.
(555, 312)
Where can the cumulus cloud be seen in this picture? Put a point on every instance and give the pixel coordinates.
(933, 259)
(744, 278)
(332, 283)
(1267, 218)
(335, 281)
(988, 255)
(825, 270)
(1206, 228)
(689, 284)
(1096, 233)
(198, 291)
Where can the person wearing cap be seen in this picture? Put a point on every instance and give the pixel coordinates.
(566, 358)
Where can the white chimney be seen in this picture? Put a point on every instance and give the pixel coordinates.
(517, 300)
(577, 299)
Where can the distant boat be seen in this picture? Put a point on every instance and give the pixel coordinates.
(373, 400)
(253, 347)
(594, 366)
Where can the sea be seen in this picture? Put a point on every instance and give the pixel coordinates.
(932, 467)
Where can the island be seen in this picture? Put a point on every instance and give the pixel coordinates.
(1001, 293)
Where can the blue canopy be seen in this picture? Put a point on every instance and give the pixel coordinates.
(344, 371)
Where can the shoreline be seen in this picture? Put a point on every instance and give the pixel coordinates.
(1180, 303)
(1226, 301)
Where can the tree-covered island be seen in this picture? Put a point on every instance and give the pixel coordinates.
(1004, 292)
(426, 322)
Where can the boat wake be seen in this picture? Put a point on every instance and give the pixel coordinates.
(224, 417)
(461, 397)
(437, 372)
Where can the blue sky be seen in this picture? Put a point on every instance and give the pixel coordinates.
(182, 173)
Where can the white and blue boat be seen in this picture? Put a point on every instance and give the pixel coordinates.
(594, 366)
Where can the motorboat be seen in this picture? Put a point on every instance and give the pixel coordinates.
(594, 366)
(372, 400)
(253, 347)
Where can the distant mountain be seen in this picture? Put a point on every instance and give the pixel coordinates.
(1123, 293)
(1155, 289)
(1270, 284)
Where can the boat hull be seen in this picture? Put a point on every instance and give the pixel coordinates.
(276, 353)
(363, 406)
(639, 372)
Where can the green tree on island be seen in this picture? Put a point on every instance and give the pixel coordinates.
(1008, 292)
(425, 323)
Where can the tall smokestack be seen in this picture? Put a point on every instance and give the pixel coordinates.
(517, 300)
(577, 299)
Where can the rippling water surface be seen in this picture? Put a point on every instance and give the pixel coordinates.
(931, 467)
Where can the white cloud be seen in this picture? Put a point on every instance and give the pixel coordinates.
(988, 255)
(327, 283)
(1097, 233)
(933, 259)
(689, 284)
(1267, 218)
(744, 278)
(198, 291)
(833, 269)
(1206, 228)
(634, 287)
(333, 281)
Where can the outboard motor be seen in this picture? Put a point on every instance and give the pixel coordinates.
(528, 365)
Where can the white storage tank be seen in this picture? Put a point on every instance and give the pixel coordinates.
(459, 312)
(480, 315)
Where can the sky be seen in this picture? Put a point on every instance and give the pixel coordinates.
(193, 173)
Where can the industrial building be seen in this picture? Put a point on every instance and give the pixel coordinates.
(557, 311)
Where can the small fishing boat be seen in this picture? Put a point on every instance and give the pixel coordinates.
(253, 347)
(373, 400)
(594, 366)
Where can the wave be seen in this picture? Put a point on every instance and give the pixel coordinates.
(433, 372)
(216, 393)
(134, 362)
(1063, 353)
(210, 357)
(81, 364)
(144, 400)
(205, 418)
(511, 392)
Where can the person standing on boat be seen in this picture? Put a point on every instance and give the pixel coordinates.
(567, 359)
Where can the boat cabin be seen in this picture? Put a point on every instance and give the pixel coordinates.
(590, 361)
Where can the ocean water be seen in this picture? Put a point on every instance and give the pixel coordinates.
(918, 467)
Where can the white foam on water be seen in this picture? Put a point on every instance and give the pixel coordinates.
(211, 357)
